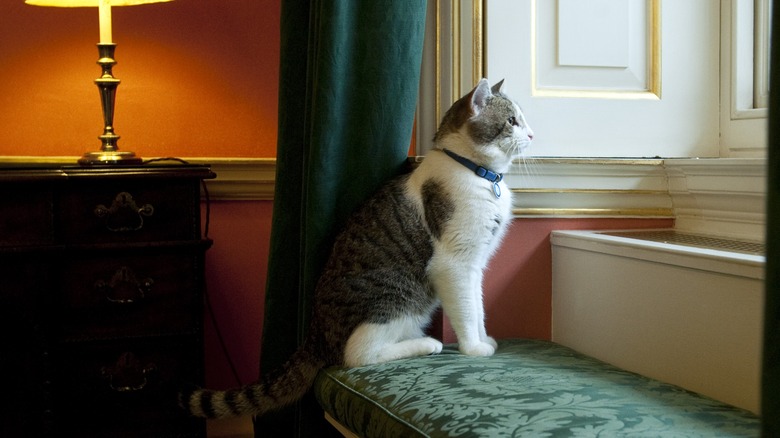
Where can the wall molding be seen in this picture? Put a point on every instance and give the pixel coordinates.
(571, 187)
(722, 196)
(240, 179)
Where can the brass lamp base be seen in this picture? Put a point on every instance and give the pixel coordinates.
(109, 158)
(109, 153)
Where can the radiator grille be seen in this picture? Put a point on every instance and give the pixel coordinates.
(694, 240)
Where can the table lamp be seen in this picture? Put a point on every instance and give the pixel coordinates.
(109, 152)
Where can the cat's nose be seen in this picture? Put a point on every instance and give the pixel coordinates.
(530, 135)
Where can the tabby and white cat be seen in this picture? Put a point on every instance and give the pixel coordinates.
(422, 240)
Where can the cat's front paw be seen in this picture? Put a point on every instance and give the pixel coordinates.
(491, 341)
(478, 349)
(431, 346)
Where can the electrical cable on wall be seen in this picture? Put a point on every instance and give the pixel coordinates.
(206, 297)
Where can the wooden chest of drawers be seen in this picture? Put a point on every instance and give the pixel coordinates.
(101, 282)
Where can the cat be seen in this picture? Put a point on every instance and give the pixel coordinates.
(423, 240)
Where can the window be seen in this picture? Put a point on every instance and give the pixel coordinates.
(744, 77)
(762, 35)
(610, 78)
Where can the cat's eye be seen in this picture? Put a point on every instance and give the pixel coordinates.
(512, 121)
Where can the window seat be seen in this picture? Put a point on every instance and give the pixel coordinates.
(528, 388)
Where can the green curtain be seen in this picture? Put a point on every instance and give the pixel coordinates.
(770, 403)
(349, 78)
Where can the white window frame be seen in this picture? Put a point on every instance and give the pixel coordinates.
(454, 43)
(723, 196)
(762, 35)
(743, 123)
(456, 36)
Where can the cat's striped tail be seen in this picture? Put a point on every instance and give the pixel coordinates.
(271, 393)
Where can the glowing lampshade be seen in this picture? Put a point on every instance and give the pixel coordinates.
(105, 10)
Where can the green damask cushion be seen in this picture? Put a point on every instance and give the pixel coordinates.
(528, 388)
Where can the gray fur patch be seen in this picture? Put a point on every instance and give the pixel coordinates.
(376, 271)
(437, 205)
(497, 221)
(492, 121)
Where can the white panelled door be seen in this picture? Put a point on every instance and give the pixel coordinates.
(610, 78)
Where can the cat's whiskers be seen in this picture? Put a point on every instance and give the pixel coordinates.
(529, 170)
(527, 164)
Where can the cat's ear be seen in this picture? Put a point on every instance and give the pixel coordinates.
(497, 88)
(479, 95)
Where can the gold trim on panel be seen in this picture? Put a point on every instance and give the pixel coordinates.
(590, 191)
(437, 63)
(589, 161)
(37, 159)
(653, 91)
(595, 94)
(594, 212)
(654, 75)
(477, 41)
(451, 67)
(456, 50)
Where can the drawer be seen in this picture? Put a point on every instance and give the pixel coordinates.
(27, 214)
(24, 349)
(25, 278)
(127, 387)
(121, 211)
(112, 295)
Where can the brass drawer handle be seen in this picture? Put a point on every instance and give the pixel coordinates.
(127, 374)
(124, 287)
(124, 214)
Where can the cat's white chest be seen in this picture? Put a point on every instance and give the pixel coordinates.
(481, 209)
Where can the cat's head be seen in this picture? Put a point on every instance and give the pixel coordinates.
(486, 126)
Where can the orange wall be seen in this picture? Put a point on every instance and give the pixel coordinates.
(199, 78)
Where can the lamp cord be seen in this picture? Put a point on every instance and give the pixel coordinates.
(207, 298)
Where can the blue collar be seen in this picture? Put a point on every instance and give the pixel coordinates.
(480, 171)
